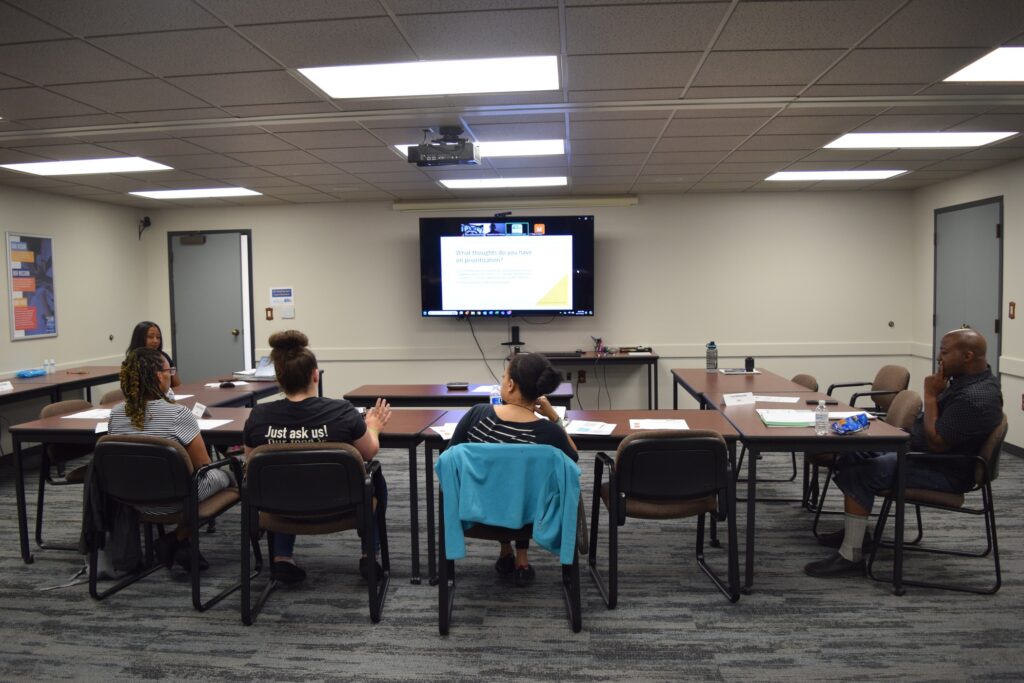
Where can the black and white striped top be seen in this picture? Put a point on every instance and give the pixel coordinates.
(482, 425)
(169, 420)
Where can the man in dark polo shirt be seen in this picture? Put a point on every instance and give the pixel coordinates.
(962, 405)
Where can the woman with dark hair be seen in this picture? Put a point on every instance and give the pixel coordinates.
(145, 380)
(303, 416)
(147, 334)
(527, 379)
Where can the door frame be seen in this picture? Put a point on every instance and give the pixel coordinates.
(998, 200)
(247, 319)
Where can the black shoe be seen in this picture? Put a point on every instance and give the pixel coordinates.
(505, 565)
(834, 566)
(286, 572)
(834, 539)
(183, 556)
(164, 548)
(364, 569)
(524, 576)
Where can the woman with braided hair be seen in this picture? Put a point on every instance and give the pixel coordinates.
(145, 379)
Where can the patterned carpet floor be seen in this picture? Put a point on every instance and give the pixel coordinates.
(671, 624)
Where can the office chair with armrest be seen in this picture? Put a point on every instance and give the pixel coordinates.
(665, 474)
(986, 470)
(112, 396)
(889, 381)
(540, 500)
(903, 410)
(305, 489)
(55, 456)
(146, 472)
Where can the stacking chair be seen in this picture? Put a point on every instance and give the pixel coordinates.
(903, 410)
(112, 396)
(889, 381)
(52, 469)
(986, 469)
(665, 474)
(305, 489)
(539, 486)
(150, 471)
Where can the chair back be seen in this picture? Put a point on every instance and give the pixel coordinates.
(305, 479)
(893, 378)
(904, 409)
(112, 396)
(64, 408)
(989, 453)
(804, 380)
(672, 464)
(65, 451)
(142, 470)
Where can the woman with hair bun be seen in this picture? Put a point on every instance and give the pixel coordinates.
(145, 381)
(147, 334)
(324, 419)
(527, 379)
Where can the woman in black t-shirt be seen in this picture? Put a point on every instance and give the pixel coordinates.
(147, 334)
(302, 416)
(527, 379)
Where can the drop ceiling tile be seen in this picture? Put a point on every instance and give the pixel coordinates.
(63, 61)
(832, 125)
(615, 115)
(591, 181)
(19, 27)
(68, 151)
(622, 129)
(103, 17)
(235, 173)
(809, 24)
(701, 143)
(903, 156)
(752, 167)
(147, 148)
(190, 184)
(733, 91)
(336, 180)
(808, 142)
(289, 109)
(288, 170)
(176, 114)
(765, 67)
(849, 156)
(328, 139)
(310, 198)
(951, 23)
(191, 162)
(626, 95)
(923, 65)
(359, 167)
(632, 28)
(608, 159)
(265, 87)
(863, 90)
(519, 131)
(165, 176)
(14, 156)
(739, 125)
(29, 103)
(185, 53)
(229, 144)
(898, 123)
(608, 146)
(271, 181)
(75, 121)
(344, 155)
(242, 12)
(555, 164)
(329, 43)
(530, 31)
(720, 186)
(776, 155)
(610, 72)
(992, 122)
(115, 183)
(130, 96)
(994, 153)
(751, 177)
(961, 165)
(676, 169)
(691, 157)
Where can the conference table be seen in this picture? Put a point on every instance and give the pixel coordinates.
(597, 360)
(54, 385)
(404, 430)
(698, 381)
(695, 419)
(430, 395)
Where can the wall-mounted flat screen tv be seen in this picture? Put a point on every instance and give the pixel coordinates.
(522, 266)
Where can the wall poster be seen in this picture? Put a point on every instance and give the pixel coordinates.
(30, 278)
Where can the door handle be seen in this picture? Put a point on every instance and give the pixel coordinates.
(235, 332)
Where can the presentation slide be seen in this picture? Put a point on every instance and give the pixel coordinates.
(506, 272)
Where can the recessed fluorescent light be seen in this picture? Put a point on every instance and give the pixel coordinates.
(193, 194)
(442, 77)
(910, 140)
(84, 166)
(509, 148)
(484, 183)
(833, 175)
(1002, 64)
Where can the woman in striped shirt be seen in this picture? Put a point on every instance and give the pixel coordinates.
(145, 378)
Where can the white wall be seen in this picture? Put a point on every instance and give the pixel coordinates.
(1006, 181)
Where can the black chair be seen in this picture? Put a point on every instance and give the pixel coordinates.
(305, 489)
(530, 458)
(986, 469)
(889, 381)
(146, 472)
(665, 474)
(52, 464)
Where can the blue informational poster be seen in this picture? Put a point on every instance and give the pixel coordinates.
(33, 311)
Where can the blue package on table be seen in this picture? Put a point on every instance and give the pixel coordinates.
(849, 425)
(32, 372)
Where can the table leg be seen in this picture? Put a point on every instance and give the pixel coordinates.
(748, 579)
(675, 394)
(897, 558)
(19, 488)
(654, 373)
(414, 516)
(428, 479)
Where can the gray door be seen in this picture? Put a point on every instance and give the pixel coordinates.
(968, 272)
(211, 315)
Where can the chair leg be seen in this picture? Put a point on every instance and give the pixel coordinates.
(571, 593)
(445, 575)
(732, 589)
(250, 539)
(378, 589)
(609, 591)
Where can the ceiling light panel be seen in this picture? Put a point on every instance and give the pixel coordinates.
(87, 166)
(509, 148)
(198, 193)
(490, 183)
(834, 175)
(1004, 64)
(442, 77)
(916, 140)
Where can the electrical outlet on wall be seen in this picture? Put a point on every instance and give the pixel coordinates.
(582, 375)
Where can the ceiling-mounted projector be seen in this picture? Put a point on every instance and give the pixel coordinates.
(447, 150)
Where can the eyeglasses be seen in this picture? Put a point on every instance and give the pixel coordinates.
(173, 371)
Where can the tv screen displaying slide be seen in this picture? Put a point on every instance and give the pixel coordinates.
(538, 265)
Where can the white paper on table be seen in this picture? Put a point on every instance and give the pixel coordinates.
(586, 427)
(446, 430)
(6, 386)
(740, 399)
(786, 418)
(843, 415)
(178, 397)
(738, 371)
(211, 424)
(101, 427)
(776, 399)
(484, 389)
(93, 414)
(640, 353)
(558, 409)
(658, 424)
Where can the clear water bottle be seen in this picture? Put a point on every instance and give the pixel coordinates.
(711, 357)
(53, 366)
(821, 419)
(495, 396)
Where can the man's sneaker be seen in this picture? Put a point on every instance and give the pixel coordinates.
(524, 576)
(505, 565)
(287, 572)
(364, 569)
